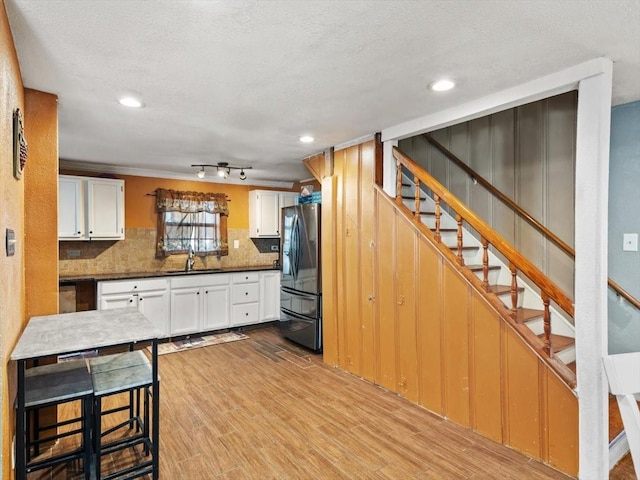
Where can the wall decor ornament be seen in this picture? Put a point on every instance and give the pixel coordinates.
(19, 145)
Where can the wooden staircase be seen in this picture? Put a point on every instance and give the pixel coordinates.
(551, 329)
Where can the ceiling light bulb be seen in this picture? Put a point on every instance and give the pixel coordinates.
(243, 176)
(130, 102)
(222, 173)
(442, 85)
(306, 139)
(200, 173)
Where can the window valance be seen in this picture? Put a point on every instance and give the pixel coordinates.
(191, 202)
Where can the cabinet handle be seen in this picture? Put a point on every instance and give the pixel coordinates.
(131, 300)
(197, 293)
(206, 291)
(135, 286)
(246, 278)
(246, 314)
(141, 298)
(79, 232)
(90, 232)
(246, 293)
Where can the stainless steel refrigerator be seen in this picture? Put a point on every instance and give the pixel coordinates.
(301, 285)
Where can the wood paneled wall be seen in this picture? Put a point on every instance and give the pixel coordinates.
(528, 153)
(399, 314)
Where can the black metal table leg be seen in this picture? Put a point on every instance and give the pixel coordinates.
(155, 399)
(21, 467)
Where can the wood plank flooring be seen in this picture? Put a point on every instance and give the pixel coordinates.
(263, 408)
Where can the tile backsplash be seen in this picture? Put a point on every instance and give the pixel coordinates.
(136, 253)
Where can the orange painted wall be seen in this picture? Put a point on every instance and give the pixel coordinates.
(40, 189)
(12, 282)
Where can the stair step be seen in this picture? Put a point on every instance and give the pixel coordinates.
(504, 289)
(525, 315)
(468, 248)
(412, 197)
(573, 367)
(559, 342)
(478, 268)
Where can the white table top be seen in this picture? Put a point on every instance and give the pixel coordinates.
(50, 335)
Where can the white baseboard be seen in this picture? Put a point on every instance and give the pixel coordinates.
(618, 448)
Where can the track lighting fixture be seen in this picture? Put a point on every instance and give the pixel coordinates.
(223, 169)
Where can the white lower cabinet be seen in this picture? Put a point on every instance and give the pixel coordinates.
(199, 303)
(216, 307)
(186, 310)
(194, 303)
(269, 296)
(150, 296)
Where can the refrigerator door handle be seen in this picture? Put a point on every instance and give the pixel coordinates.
(295, 247)
(297, 316)
(298, 293)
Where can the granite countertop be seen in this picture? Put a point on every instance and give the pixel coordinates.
(133, 275)
(72, 332)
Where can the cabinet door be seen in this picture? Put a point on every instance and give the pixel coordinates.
(268, 214)
(216, 307)
(155, 306)
(185, 310)
(70, 208)
(117, 300)
(105, 204)
(269, 296)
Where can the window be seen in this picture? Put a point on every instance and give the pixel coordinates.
(191, 221)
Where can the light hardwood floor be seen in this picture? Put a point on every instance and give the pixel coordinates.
(263, 408)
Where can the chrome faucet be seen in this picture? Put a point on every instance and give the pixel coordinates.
(190, 260)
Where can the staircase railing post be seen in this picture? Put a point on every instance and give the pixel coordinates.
(485, 264)
(436, 198)
(459, 222)
(416, 212)
(514, 291)
(547, 325)
(399, 182)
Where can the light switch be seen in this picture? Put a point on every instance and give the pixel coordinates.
(630, 242)
(236, 244)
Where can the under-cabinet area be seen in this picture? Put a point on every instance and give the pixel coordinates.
(196, 303)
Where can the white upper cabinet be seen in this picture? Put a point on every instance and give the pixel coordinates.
(264, 211)
(90, 208)
(71, 224)
(105, 205)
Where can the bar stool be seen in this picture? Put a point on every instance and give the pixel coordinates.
(57, 384)
(130, 373)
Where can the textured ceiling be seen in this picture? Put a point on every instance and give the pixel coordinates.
(239, 81)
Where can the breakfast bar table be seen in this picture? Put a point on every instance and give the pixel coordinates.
(54, 335)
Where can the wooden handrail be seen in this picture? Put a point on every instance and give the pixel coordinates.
(623, 293)
(545, 284)
(523, 213)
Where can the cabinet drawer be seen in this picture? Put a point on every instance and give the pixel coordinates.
(199, 280)
(132, 286)
(244, 314)
(247, 277)
(245, 293)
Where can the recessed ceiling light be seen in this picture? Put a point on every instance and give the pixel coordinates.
(442, 85)
(130, 102)
(306, 139)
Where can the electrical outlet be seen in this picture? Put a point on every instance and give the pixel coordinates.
(236, 244)
(630, 242)
(274, 248)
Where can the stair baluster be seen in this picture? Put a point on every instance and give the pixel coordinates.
(485, 264)
(399, 182)
(436, 198)
(547, 324)
(459, 222)
(416, 210)
(514, 291)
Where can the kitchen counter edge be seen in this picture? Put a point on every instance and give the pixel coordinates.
(133, 275)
